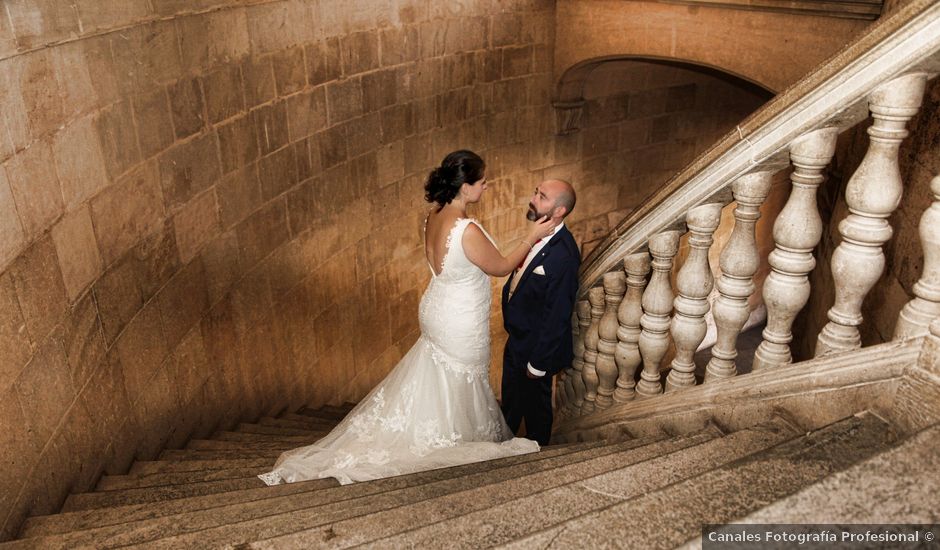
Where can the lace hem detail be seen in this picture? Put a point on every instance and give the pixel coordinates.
(442, 360)
(376, 417)
(428, 437)
(271, 478)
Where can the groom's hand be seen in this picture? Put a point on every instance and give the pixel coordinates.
(532, 376)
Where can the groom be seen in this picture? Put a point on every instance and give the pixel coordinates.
(537, 302)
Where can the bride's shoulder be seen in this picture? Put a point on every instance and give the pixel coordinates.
(472, 225)
(476, 231)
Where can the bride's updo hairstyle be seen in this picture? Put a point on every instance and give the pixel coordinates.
(456, 169)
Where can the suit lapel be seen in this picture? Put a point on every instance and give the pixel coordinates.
(539, 258)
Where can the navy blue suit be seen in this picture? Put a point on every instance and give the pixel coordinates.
(538, 320)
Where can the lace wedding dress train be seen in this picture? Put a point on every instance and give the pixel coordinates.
(435, 408)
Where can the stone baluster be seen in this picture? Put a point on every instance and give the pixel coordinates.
(627, 354)
(872, 194)
(567, 384)
(615, 286)
(592, 337)
(916, 316)
(797, 231)
(583, 311)
(558, 392)
(562, 389)
(657, 306)
(694, 283)
(739, 261)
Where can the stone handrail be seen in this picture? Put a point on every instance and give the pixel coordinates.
(884, 73)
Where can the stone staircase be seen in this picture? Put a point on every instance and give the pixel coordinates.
(569, 495)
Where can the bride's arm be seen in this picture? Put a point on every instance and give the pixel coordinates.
(481, 251)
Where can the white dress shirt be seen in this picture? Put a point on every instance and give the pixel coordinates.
(528, 259)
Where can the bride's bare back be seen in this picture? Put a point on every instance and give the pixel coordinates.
(437, 227)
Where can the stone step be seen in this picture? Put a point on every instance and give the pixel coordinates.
(333, 417)
(301, 512)
(328, 412)
(253, 445)
(722, 494)
(115, 483)
(312, 425)
(903, 481)
(248, 437)
(325, 423)
(80, 520)
(273, 430)
(501, 523)
(96, 518)
(142, 495)
(190, 454)
(149, 467)
(530, 493)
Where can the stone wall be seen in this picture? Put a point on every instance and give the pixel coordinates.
(211, 210)
(770, 49)
(919, 163)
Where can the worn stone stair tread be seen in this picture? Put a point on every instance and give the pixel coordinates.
(304, 499)
(725, 493)
(364, 509)
(142, 495)
(494, 515)
(903, 481)
(272, 430)
(114, 483)
(89, 519)
(241, 436)
(190, 454)
(262, 445)
(331, 411)
(502, 523)
(325, 422)
(331, 415)
(149, 467)
(314, 423)
(290, 423)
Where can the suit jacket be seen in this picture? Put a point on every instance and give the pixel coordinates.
(538, 316)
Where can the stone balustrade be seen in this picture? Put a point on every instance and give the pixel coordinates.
(627, 321)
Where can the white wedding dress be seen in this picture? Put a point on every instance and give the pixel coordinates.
(435, 408)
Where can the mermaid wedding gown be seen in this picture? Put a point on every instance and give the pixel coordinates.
(435, 408)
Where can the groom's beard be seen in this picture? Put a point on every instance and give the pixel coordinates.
(533, 214)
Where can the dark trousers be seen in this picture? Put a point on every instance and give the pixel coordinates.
(528, 399)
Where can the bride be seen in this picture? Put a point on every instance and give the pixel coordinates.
(435, 408)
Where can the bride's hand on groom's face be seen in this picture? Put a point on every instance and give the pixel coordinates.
(542, 228)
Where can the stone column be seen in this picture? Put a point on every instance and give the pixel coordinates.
(657, 306)
(591, 339)
(872, 194)
(583, 310)
(694, 283)
(919, 312)
(797, 231)
(627, 354)
(614, 288)
(738, 261)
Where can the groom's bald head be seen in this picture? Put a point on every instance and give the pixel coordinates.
(553, 198)
(563, 194)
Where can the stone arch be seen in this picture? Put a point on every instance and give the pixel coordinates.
(568, 92)
(771, 48)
